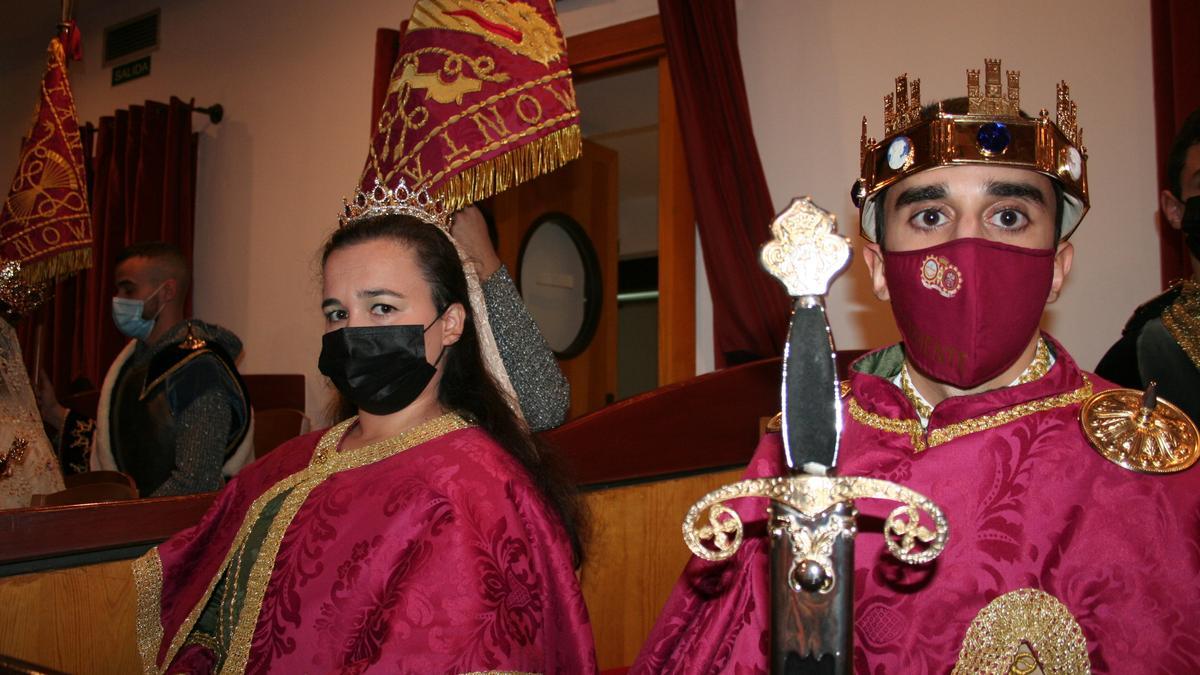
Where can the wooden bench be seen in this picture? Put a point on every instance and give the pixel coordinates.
(66, 593)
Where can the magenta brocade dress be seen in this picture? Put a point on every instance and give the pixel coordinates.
(431, 553)
(1031, 505)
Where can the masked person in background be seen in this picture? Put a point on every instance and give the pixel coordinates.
(429, 533)
(173, 411)
(1161, 341)
(1056, 547)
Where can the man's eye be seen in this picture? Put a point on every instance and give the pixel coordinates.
(335, 315)
(382, 309)
(929, 218)
(1009, 219)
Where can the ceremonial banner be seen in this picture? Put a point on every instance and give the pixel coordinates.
(480, 100)
(45, 225)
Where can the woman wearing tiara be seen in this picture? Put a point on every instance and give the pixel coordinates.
(431, 533)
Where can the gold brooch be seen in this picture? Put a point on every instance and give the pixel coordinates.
(1140, 431)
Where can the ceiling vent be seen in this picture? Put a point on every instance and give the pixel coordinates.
(134, 37)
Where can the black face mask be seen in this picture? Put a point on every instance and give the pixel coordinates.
(381, 369)
(1191, 224)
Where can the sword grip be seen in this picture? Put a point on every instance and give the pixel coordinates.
(811, 414)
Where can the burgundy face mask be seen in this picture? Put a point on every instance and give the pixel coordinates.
(968, 308)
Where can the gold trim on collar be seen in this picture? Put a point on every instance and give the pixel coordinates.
(1182, 320)
(303, 481)
(922, 441)
(1021, 630)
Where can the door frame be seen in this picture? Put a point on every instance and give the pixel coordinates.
(630, 45)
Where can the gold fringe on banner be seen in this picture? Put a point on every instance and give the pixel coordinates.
(512, 168)
(57, 266)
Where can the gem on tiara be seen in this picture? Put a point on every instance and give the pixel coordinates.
(993, 138)
(381, 200)
(900, 153)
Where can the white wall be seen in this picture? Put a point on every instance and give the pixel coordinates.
(295, 80)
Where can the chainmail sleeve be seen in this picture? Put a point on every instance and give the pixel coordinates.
(200, 446)
(542, 391)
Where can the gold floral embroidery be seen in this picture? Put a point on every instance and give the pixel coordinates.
(147, 583)
(316, 473)
(921, 441)
(1025, 622)
(1182, 320)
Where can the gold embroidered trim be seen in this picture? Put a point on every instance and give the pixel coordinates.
(921, 441)
(959, 429)
(207, 641)
(911, 427)
(1182, 320)
(311, 477)
(1026, 616)
(147, 583)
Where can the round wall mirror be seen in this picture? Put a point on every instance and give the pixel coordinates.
(560, 282)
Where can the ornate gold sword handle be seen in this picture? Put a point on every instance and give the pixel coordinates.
(720, 535)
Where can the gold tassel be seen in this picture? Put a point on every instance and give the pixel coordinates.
(57, 266)
(512, 168)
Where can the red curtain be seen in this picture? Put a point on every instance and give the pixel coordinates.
(733, 206)
(142, 175)
(1175, 34)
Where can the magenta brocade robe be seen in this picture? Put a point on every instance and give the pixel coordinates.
(437, 556)
(1030, 505)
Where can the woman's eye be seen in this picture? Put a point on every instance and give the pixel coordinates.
(1009, 219)
(335, 315)
(929, 218)
(381, 309)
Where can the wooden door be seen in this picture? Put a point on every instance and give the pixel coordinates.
(585, 189)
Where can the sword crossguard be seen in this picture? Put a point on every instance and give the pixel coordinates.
(907, 539)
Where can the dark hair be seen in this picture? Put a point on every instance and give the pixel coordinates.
(960, 106)
(169, 256)
(466, 385)
(1187, 136)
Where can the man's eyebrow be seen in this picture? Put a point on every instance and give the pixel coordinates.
(1026, 191)
(921, 193)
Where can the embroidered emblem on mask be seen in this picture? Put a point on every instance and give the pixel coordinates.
(939, 274)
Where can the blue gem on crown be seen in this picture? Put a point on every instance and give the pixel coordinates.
(993, 138)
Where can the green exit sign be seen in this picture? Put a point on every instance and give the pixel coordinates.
(131, 71)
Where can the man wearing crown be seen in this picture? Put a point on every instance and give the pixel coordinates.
(1073, 515)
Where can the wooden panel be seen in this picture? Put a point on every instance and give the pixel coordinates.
(30, 534)
(676, 244)
(622, 46)
(585, 189)
(275, 391)
(706, 422)
(635, 556)
(78, 620)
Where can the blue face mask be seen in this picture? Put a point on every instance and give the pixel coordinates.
(127, 314)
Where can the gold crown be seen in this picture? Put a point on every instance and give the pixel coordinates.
(993, 131)
(382, 200)
(21, 295)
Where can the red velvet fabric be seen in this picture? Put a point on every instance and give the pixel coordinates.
(1176, 32)
(733, 206)
(387, 49)
(143, 184)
